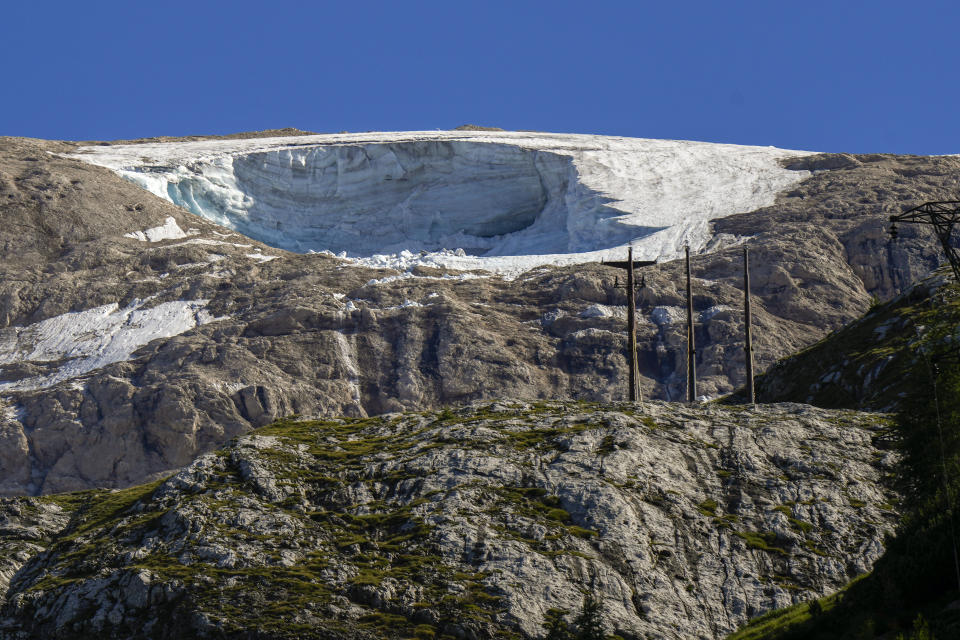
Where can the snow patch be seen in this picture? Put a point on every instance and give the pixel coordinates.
(667, 315)
(169, 230)
(708, 314)
(551, 316)
(230, 388)
(407, 304)
(591, 333)
(207, 241)
(212, 258)
(603, 311)
(82, 341)
(410, 276)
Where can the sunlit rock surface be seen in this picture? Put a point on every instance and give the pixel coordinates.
(683, 521)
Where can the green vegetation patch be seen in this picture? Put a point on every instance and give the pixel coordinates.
(708, 507)
(534, 503)
(795, 621)
(542, 437)
(764, 541)
(98, 509)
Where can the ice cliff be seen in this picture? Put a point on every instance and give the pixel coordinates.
(503, 201)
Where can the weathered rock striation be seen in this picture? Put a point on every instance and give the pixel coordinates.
(683, 521)
(135, 336)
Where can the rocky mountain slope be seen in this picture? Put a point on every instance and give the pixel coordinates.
(470, 523)
(901, 355)
(135, 335)
(893, 352)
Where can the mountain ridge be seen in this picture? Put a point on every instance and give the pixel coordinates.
(317, 335)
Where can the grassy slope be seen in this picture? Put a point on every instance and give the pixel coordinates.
(871, 363)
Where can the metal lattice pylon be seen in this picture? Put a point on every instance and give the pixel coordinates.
(941, 215)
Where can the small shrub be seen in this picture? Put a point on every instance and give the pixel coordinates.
(921, 630)
(589, 623)
(708, 507)
(555, 626)
(606, 446)
(764, 541)
(814, 607)
(558, 514)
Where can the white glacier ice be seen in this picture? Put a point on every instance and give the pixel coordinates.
(501, 201)
(86, 340)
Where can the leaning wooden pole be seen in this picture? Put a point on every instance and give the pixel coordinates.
(748, 342)
(691, 345)
(632, 329)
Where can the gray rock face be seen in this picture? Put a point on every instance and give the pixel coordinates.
(270, 333)
(26, 528)
(684, 521)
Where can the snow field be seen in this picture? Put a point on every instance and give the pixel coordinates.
(90, 339)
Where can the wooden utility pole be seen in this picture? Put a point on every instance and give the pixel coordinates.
(632, 329)
(748, 343)
(634, 382)
(691, 345)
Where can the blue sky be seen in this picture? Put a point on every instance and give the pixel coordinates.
(828, 76)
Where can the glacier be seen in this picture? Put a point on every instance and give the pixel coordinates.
(499, 201)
